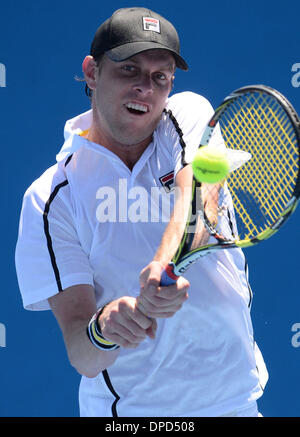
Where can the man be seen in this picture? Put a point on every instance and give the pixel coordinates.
(142, 350)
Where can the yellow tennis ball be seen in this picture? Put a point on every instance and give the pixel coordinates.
(210, 165)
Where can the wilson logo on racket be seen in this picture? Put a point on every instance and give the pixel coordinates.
(167, 181)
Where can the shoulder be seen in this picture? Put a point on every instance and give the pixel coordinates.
(189, 103)
(185, 117)
(187, 112)
(47, 186)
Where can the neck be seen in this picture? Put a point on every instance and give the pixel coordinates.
(129, 154)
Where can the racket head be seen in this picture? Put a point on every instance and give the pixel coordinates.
(259, 195)
(265, 191)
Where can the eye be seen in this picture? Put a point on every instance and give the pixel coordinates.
(161, 76)
(129, 68)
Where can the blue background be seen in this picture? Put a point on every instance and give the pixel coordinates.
(42, 45)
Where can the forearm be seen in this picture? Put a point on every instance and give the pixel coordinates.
(175, 228)
(87, 359)
(120, 323)
(169, 242)
(73, 310)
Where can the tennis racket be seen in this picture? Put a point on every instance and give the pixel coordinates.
(256, 198)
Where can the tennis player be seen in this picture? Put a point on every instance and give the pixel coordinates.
(90, 248)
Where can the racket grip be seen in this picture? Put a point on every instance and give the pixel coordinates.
(168, 277)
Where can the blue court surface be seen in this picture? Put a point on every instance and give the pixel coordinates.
(42, 45)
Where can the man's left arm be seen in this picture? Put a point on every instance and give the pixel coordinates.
(159, 301)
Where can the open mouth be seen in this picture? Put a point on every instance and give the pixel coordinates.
(136, 108)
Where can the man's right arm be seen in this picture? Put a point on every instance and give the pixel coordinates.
(121, 322)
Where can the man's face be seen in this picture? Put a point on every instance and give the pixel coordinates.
(130, 96)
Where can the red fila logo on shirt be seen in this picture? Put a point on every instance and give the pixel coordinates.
(167, 181)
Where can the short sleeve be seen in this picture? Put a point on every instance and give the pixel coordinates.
(190, 113)
(49, 256)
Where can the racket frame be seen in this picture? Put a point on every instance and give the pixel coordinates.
(180, 263)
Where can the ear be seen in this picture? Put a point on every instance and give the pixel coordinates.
(89, 68)
(172, 83)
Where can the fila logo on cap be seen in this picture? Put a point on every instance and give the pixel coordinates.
(151, 24)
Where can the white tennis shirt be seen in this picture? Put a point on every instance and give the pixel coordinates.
(90, 220)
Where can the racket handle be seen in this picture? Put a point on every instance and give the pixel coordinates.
(168, 277)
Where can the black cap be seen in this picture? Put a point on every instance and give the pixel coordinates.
(130, 31)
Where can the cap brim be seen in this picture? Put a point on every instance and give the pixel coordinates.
(125, 51)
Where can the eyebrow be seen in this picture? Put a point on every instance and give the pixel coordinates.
(168, 65)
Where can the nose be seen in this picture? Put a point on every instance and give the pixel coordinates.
(144, 85)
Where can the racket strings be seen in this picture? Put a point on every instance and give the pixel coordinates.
(264, 131)
(245, 132)
(261, 188)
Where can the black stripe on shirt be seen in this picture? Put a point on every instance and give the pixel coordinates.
(68, 160)
(249, 286)
(180, 134)
(113, 392)
(47, 232)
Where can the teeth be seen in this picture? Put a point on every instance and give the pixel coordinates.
(137, 107)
